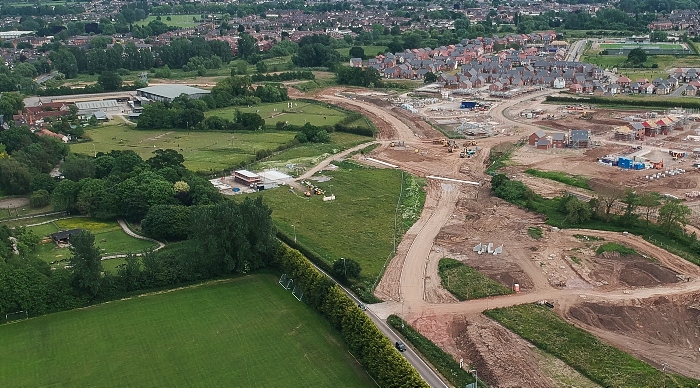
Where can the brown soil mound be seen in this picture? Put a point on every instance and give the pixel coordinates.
(631, 271)
(682, 183)
(501, 357)
(658, 330)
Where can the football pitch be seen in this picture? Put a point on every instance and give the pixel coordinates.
(240, 333)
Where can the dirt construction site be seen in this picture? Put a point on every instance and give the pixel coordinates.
(646, 304)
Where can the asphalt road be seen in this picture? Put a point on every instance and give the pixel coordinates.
(427, 373)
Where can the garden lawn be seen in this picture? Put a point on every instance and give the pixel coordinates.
(244, 332)
(602, 363)
(203, 151)
(299, 114)
(116, 241)
(358, 224)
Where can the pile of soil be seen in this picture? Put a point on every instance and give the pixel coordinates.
(631, 271)
(682, 183)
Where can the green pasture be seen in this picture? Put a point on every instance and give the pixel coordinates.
(600, 362)
(244, 332)
(305, 156)
(300, 113)
(370, 51)
(109, 237)
(182, 21)
(203, 151)
(358, 224)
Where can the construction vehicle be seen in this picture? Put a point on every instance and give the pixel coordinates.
(586, 115)
(392, 144)
(467, 153)
(676, 154)
(658, 165)
(440, 141)
(470, 143)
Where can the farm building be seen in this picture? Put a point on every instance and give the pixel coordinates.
(579, 138)
(543, 144)
(63, 237)
(170, 92)
(536, 136)
(247, 177)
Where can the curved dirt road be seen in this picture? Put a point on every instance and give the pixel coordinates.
(411, 278)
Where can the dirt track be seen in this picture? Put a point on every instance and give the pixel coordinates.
(456, 216)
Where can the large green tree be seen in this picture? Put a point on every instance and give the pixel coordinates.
(86, 263)
(673, 214)
(15, 178)
(236, 238)
(110, 81)
(246, 46)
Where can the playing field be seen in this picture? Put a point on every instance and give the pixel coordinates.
(299, 114)
(644, 46)
(241, 333)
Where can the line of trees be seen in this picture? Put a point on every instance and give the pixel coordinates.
(366, 342)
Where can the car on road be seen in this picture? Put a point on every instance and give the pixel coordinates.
(400, 346)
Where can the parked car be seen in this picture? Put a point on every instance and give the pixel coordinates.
(400, 346)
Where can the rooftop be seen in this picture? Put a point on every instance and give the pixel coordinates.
(172, 90)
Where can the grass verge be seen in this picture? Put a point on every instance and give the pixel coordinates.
(602, 363)
(447, 366)
(571, 180)
(202, 335)
(466, 283)
(500, 155)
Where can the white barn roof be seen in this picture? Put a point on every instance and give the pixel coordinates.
(172, 91)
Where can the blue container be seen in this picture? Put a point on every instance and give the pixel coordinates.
(639, 166)
(625, 163)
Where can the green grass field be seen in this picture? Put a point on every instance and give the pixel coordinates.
(358, 225)
(299, 114)
(602, 363)
(203, 151)
(308, 155)
(370, 51)
(243, 332)
(183, 21)
(115, 240)
(567, 179)
(643, 46)
(466, 283)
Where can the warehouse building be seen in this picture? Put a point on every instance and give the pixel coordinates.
(170, 92)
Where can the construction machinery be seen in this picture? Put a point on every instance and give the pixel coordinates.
(676, 154)
(658, 165)
(470, 143)
(440, 141)
(467, 152)
(586, 115)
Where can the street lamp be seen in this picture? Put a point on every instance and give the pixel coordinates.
(476, 376)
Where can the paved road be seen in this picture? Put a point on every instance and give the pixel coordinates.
(576, 50)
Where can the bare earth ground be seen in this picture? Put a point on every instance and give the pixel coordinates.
(646, 304)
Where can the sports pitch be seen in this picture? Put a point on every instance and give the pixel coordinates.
(643, 46)
(243, 332)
